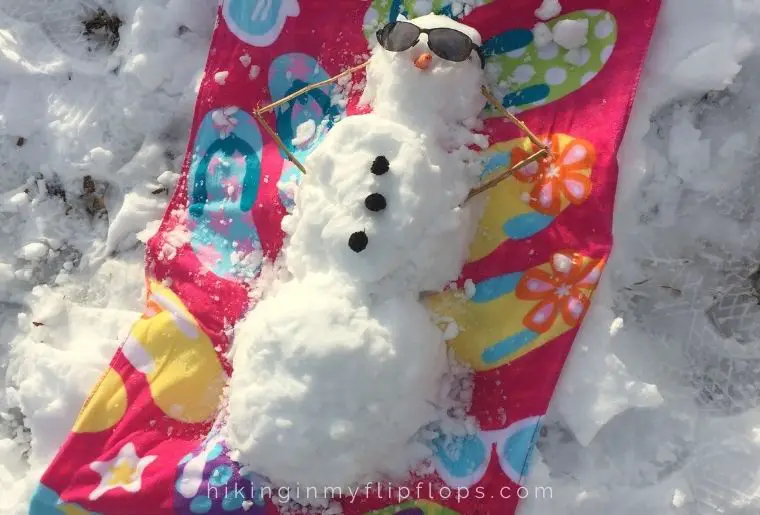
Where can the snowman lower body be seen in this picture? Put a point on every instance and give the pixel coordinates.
(333, 399)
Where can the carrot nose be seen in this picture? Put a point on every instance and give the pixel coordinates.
(423, 61)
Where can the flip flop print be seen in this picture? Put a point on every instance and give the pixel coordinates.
(106, 407)
(526, 76)
(223, 185)
(462, 460)
(515, 313)
(290, 73)
(258, 23)
(528, 202)
(177, 357)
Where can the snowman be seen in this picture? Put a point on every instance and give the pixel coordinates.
(339, 365)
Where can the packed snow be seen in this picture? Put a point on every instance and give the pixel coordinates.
(657, 410)
(305, 132)
(570, 34)
(548, 9)
(341, 360)
(542, 34)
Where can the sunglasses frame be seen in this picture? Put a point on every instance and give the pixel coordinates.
(473, 47)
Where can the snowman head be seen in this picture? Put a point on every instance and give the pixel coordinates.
(426, 70)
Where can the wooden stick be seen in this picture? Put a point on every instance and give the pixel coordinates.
(316, 85)
(495, 102)
(257, 113)
(543, 148)
(293, 159)
(506, 173)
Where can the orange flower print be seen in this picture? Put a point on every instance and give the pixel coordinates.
(566, 290)
(557, 175)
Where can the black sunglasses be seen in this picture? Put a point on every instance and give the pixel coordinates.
(446, 43)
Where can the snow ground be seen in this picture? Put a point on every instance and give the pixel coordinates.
(657, 412)
(122, 117)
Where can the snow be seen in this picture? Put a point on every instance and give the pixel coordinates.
(168, 178)
(542, 35)
(305, 132)
(120, 116)
(451, 331)
(548, 9)
(33, 251)
(570, 34)
(221, 77)
(656, 412)
(469, 288)
(173, 240)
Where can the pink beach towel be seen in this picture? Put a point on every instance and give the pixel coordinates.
(144, 441)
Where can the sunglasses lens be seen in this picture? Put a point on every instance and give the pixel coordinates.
(398, 36)
(450, 44)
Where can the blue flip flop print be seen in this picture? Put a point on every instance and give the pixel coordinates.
(288, 74)
(258, 22)
(462, 461)
(223, 185)
(516, 447)
(514, 41)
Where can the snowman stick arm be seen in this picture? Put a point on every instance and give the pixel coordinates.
(257, 113)
(308, 88)
(543, 149)
(505, 174)
(293, 159)
(512, 118)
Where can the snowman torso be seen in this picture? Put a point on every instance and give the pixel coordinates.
(379, 177)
